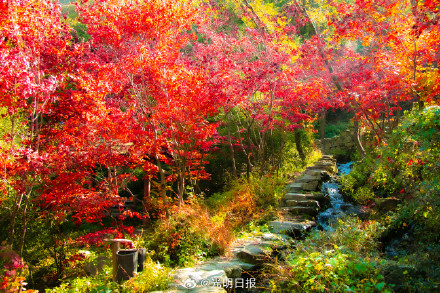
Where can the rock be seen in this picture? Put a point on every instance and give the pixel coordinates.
(316, 173)
(309, 177)
(295, 187)
(301, 210)
(290, 227)
(302, 203)
(323, 200)
(328, 157)
(302, 186)
(311, 186)
(325, 166)
(194, 279)
(254, 254)
(233, 268)
(102, 261)
(298, 196)
(90, 269)
(274, 237)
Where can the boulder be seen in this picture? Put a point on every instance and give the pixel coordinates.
(256, 254)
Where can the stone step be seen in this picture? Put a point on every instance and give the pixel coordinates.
(255, 254)
(308, 178)
(327, 157)
(304, 196)
(312, 172)
(290, 227)
(233, 268)
(302, 186)
(302, 203)
(301, 210)
(330, 167)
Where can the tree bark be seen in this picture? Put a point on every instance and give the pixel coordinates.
(357, 139)
(162, 189)
(231, 149)
(322, 124)
(298, 145)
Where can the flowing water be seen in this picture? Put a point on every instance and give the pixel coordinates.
(338, 207)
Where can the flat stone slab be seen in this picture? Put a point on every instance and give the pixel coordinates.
(302, 196)
(290, 226)
(301, 210)
(295, 187)
(256, 254)
(275, 237)
(233, 268)
(303, 186)
(302, 203)
(313, 172)
(309, 177)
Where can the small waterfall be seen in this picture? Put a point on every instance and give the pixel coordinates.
(338, 207)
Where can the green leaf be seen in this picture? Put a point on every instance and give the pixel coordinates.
(380, 286)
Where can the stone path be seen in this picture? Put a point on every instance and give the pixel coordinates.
(299, 207)
(303, 199)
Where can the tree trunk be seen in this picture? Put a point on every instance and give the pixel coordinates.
(180, 186)
(357, 139)
(322, 124)
(231, 149)
(23, 230)
(147, 196)
(298, 145)
(162, 189)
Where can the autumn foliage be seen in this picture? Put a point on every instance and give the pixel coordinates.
(156, 80)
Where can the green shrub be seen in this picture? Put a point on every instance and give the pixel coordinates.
(154, 277)
(408, 168)
(345, 260)
(410, 157)
(100, 283)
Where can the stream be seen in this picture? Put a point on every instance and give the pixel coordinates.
(338, 207)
